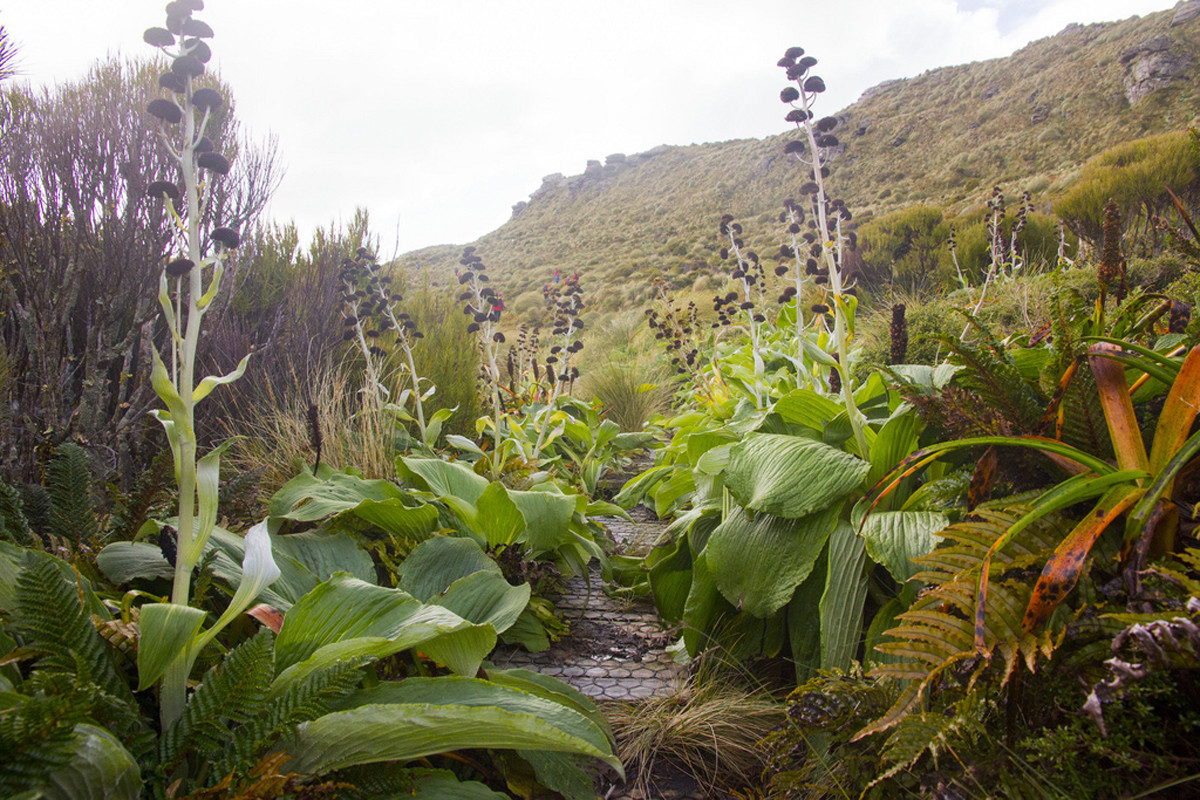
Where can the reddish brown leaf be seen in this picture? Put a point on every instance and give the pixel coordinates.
(983, 479)
(1118, 408)
(268, 616)
(1061, 572)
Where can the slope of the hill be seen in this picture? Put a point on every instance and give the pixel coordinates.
(946, 137)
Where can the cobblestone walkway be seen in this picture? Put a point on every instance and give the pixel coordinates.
(615, 648)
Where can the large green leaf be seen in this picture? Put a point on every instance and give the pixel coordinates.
(442, 478)
(758, 560)
(670, 578)
(486, 596)
(122, 562)
(402, 732)
(435, 564)
(345, 618)
(323, 554)
(167, 630)
(414, 523)
(497, 517)
(841, 607)
(440, 784)
(552, 688)
(547, 519)
(894, 538)
(477, 693)
(704, 603)
(790, 476)
(308, 497)
(808, 408)
(804, 623)
(100, 769)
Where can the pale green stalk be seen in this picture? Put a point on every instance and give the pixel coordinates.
(832, 261)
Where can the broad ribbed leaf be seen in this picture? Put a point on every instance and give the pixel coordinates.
(808, 408)
(671, 579)
(401, 521)
(704, 602)
(547, 519)
(552, 689)
(324, 554)
(402, 732)
(842, 603)
(498, 518)
(461, 691)
(485, 596)
(804, 623)
(100, 769)
(758, 560)
(308, 498)
(122, 562)
(166, 631)
(443, 478)
(790, 476)
(894, 538)
(345, 618)
(435, 564)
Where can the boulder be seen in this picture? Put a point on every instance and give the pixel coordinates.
(1151, 65)
(1186, 12)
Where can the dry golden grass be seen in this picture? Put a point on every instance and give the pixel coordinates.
(709, 729)
(276, 436)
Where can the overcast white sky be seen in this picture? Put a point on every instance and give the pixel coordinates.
(439, 115)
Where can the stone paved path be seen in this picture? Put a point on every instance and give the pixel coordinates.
(615, 652)
(615, 648)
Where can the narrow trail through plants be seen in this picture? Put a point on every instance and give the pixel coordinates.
(616, 648)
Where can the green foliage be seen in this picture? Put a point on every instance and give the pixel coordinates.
(69, 483)
(233, 692)
(908, 246)
(13, 525)
(1136, 175)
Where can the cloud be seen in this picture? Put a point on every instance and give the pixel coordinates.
(439, 116)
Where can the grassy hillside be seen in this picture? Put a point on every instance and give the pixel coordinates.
(1025, 122)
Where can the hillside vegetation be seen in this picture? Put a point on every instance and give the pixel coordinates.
(944, 138)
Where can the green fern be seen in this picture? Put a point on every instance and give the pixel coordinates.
(233, 691)
(13, 525)
(935, 641)
(312, 697)
(54, 617)
(69, 484)
(35, 740)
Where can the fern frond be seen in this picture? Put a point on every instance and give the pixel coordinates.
(992, 375)
(935, 637)
(304, 700)
(35, 740)
(929, 732)
(53, 617)
(233, 691)
(69, 484)
(13, 525)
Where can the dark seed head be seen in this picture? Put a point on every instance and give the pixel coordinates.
(205, 145)
(214, 162)
(172, 82)
(166, 111)
(158, 37)
(795, 146)
(198, 49)
(180, 267)
(188, 67)
(163, 189)
(194, 27)
(790, 95)
(227, 237)
(814, 84)
(206, 99)
(793, 53)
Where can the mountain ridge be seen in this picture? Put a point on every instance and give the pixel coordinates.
(945, 137)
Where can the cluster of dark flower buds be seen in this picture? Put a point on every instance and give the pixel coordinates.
(372, 308)
(677, 328)
(483, 304)
(821, 227)
(522, 366)
(748, 269)
(183, 41)
(564, 300)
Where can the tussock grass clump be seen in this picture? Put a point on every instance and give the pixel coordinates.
(709, 729)
(278, 433)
